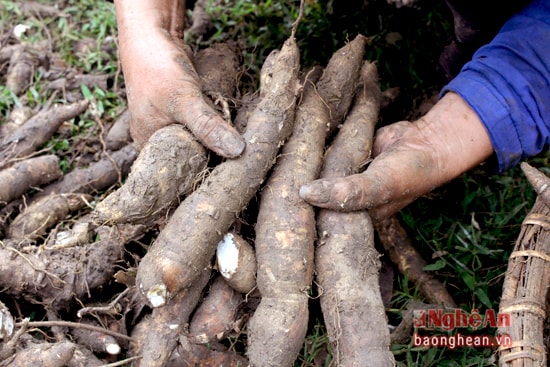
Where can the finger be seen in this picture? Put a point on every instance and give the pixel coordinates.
(348, 194)
(216, 134)
(394, 179)
(208, 127)
(343, 194)
(189, 107)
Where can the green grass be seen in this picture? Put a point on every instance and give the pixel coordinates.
(465, 230)
(406, 43)
(89, 20)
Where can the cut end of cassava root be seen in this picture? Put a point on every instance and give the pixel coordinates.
(157, 295)
(237, 262)
(228, 256)
(113, 349)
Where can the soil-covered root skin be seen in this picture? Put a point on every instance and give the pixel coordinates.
(35, 132)
(96, 340)
(156, 336)
(285, 235)
(119, 133)
(189, 354)
(32, 172)
(218, 66)
(61, 275)
(347, 264)
(46, 355)
(338, 83)
(351, 147)
(23, 62)
(44, 213)
(97, 176)
(17, 117)
(277, 347)
(166, 169)
(188, 242)
(215, 316)
(347, 269)
(200, 23)
(56, 354)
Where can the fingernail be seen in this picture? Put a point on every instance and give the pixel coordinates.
(317, 192)
(232, 144)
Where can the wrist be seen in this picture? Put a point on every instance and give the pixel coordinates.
(458, 136)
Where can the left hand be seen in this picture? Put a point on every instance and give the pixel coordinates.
(162, 85)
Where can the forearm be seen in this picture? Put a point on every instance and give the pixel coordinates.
(146, 15)
(148, 30)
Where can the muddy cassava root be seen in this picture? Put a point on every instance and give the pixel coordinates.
(403, 254)
(43, 214)
(285, 229)
(346, 261)
(108, 171)
(338, 83)
(165, 170)
(159, 333)
(61, 275)
(36, 131)
(32, 172)
(216, 315)
(285, 234)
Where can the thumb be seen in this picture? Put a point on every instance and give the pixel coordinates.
(345, 193)
(209, 127)
(394, 179)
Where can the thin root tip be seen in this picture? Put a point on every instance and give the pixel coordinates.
(536, 178)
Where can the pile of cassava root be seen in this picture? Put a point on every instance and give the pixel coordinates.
(171, 256)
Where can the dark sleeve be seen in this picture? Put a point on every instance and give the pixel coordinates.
(507, 83)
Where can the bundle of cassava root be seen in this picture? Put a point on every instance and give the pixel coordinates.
(169, 255)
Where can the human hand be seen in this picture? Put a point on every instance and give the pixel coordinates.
(411, 159)
(162, 85)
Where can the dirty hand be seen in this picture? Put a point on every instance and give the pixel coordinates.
(411, 159)
(162, 84)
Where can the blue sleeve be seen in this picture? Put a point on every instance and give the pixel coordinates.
(507, 83)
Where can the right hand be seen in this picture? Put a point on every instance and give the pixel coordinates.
(410, 159)
(162, 85)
